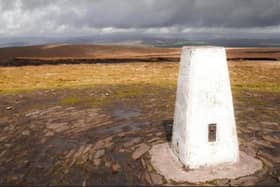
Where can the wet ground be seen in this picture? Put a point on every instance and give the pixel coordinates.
(44, 141)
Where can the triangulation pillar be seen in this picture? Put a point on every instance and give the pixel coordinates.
(204, 130)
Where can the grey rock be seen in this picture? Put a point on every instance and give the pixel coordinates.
(264, 143)
(8, 145)
(25, 133)
(49, 133)
(107, 164)
(97, 162)
(132, 142)
(99, 153)
(9, 108)
(99, 145)
(153, 139)
(272, 158)
(32, 113)
(158, 133)
(271, 139)
(142, 149)
(3, 138)
(121, 150)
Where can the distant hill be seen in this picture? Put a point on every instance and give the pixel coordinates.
(140, 40)
(64, 53)
(75, 54)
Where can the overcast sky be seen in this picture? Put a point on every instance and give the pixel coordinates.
(257, 18)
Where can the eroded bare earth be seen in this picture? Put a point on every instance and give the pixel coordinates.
(100, 133)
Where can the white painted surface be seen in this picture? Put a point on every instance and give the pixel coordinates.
(204, 97)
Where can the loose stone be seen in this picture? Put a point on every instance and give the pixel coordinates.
(271, 139)
(8, 145)
(274, 159)
(153, 139)
(9, 108)
(121, 150)
(107, 164)
(32, 113)
(97, 162)
(99, 153)
(116, 168)
(49, 133)
(99, 145)
(158, 133)
(25, 133)
(132, 142)
(142, 149)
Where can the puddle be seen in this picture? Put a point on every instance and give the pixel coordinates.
(125, 127)
(124, 114)
(60, 144)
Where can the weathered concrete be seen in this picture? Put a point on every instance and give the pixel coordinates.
(167, 164)
(204, 100)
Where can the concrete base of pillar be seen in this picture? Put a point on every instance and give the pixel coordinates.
(167, 164)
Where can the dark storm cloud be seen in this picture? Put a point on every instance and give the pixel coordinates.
(166, 13)
(50, 16)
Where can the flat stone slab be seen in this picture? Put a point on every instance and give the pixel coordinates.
(166, 164)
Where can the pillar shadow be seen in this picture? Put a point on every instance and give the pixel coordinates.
(167, 125)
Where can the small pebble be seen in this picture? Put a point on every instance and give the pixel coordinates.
(99, 153)
(107, 164)
(9, 108)
(25, 133)
(116, 168)
(97, 162)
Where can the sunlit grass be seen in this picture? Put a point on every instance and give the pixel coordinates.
(14, 79)
(244, 75)
(70, 101)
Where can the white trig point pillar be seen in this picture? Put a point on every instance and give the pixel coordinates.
(204, 138)
(204, 130)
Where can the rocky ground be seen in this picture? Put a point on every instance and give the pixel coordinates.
(49, 141)
(93, 124)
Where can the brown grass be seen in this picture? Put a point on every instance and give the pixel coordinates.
(13, 79)
(255, 75)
